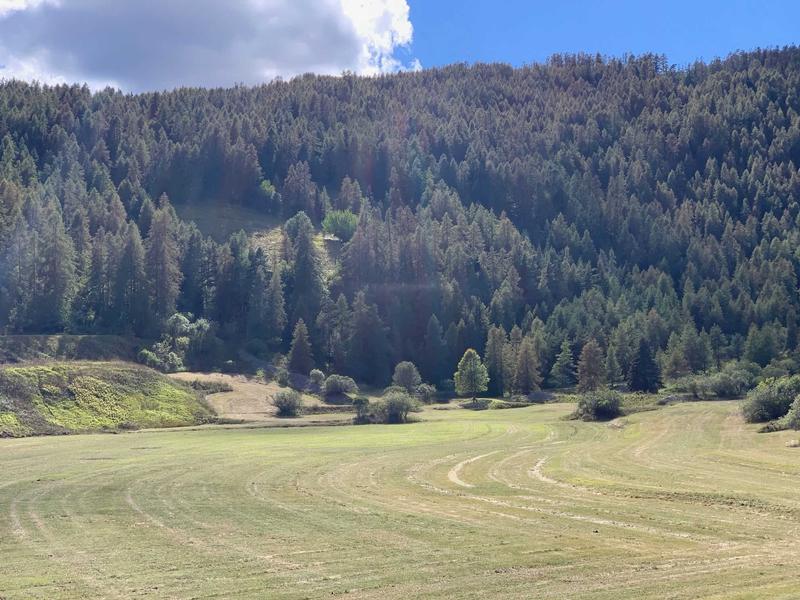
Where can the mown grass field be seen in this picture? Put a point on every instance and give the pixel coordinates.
(682, 502)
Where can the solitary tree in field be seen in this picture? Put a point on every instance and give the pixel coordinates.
(301, 359)
(645, 375)
(406, 376)
(471, 377)
(591, 367)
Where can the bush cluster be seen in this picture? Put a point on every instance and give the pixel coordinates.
(340, 384)
(288, 402)
(599, 405)
(772, 399)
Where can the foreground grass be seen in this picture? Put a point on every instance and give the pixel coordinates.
(682, 502)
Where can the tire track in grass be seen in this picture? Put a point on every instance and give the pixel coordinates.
(76, 561)
(453, 474)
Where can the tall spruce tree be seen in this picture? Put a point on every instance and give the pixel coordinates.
(131, 299)
(563, 372)
(301, 357)
(644, 374)
(162, 260)
(368, 348)
(496, 360)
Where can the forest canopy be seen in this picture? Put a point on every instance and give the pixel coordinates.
(485, 207)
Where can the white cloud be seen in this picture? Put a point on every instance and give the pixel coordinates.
(156, 44)
(381, 27)
(9, 6)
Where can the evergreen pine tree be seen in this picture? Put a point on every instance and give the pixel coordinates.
(162, 261)
(434, 351)
(368, 348)
(301, 359)
(131, 299)
(613, 370)
(55, 288)
(644, 375)
(495, 360)
(563, 372)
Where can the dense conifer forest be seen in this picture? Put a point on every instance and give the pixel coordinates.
(622, 205)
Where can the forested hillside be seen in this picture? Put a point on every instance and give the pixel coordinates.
(516, 211)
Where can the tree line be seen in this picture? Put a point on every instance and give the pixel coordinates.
(582, 206)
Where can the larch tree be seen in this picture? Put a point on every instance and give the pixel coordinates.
(471, 378)
(527, 378)
(591, 367)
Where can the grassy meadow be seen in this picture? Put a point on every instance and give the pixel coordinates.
(681, 502)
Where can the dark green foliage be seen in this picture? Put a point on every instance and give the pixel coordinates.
(771, 399)
(367, 356)
(563, 372)
(580, 198)
(599, 405)
(645, 375)
(362, 408)
(733, 381)
(301, 357)
(407, 377)
(288, 402)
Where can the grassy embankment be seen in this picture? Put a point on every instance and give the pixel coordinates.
(64, 397)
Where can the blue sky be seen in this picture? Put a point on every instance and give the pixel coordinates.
(519, 31)
(139, 45)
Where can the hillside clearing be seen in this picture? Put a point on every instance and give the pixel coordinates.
(250, 401)
(683, 502)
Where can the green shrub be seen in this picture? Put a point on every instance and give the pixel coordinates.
(341, 223)
(282, 377)
(426, 393)
(340, 384)
(288, 402)
(503, 404)
(771, 399)
(317, 378)
(362, 407)
(211, 387)
(394, 408)
(793, 418)
(599, 405)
